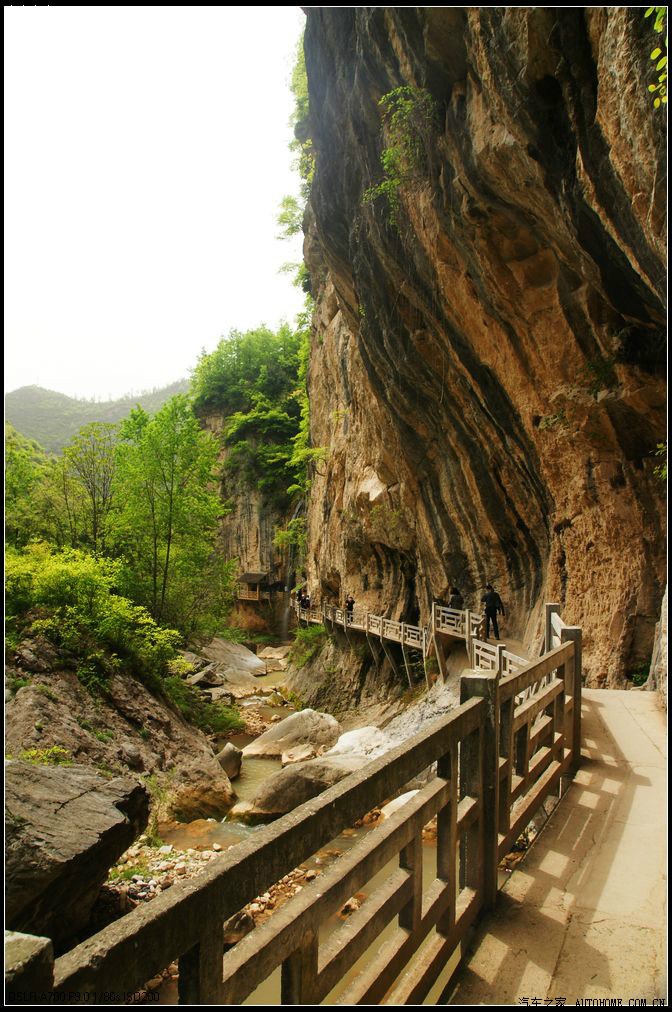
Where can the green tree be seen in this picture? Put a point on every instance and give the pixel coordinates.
(166, 518)
(89, 461)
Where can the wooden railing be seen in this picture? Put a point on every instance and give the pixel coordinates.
(496, 760)
(246, 594)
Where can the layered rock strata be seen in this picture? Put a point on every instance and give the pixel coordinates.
(487, 372)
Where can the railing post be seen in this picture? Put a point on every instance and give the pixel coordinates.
(299, 973)
(200, 969)
(549, 609)
(487, 687)
(573, 632)
(499, 660)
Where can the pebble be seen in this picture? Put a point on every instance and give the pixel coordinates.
(310, 875)
(166, 849)
(181, 869)
(217, 847)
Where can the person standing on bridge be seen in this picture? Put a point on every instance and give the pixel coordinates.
(493, 607)
(349, 606)
(456, 600)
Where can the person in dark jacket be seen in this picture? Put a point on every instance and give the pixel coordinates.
(456, 600)
(349, 606)
(493, 607)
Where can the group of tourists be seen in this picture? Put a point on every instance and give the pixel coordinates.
(492, 604)
(491, 601)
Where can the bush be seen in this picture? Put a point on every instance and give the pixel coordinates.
(212, 718)
(56, 755)
(307, 643)
(78, 593)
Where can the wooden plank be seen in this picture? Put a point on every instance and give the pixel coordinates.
(544, 786)
(299, 973)
(513, 685)
(419, 979)
(540, 733)
(371, 985)
(410, 859)
(526, 713)
(447, 836)
(557, 625)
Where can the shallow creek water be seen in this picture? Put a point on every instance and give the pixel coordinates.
(229, 833)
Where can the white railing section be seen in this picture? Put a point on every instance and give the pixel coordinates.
(467, 625)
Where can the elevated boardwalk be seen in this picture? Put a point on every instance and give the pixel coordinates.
(446, 627)
(584, 916)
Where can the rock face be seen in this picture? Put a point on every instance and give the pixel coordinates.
(306, 727)
(127, 731)
(487, 373)
(64, 828)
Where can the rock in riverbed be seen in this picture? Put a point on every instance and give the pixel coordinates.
(286, 790)
(306, 727)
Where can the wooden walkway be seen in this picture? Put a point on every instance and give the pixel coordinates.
(584, 916)
(446, 626)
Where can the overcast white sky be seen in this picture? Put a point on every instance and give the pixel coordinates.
(146, 154)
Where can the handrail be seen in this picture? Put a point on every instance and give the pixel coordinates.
(494, 745)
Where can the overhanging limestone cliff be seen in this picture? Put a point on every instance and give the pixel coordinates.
(488, 373)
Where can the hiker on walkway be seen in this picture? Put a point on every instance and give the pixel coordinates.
(349, 606)
(305, 602)
(456, 600)
(493, 607)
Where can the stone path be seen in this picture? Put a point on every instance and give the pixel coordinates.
(584, 916)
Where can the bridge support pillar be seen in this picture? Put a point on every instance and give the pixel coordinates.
(487, 786)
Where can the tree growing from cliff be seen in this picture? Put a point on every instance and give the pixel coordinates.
(409, 117)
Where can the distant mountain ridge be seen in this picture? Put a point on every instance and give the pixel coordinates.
(53, 419)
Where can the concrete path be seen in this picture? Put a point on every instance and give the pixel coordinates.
(584, 915)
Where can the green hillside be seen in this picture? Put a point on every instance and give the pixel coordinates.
(53, 419)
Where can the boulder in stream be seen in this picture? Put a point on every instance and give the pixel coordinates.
(233, 657)
(286, 790)
(306, 727)
(230, 759)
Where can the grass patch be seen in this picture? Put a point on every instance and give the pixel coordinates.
(49, 693)
(14, 684)
(126, 873)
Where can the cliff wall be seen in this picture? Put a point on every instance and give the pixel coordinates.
(488, 373)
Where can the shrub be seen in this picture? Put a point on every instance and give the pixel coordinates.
(212, 718)
(307, 643)
(77, 592)
(56, 755)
